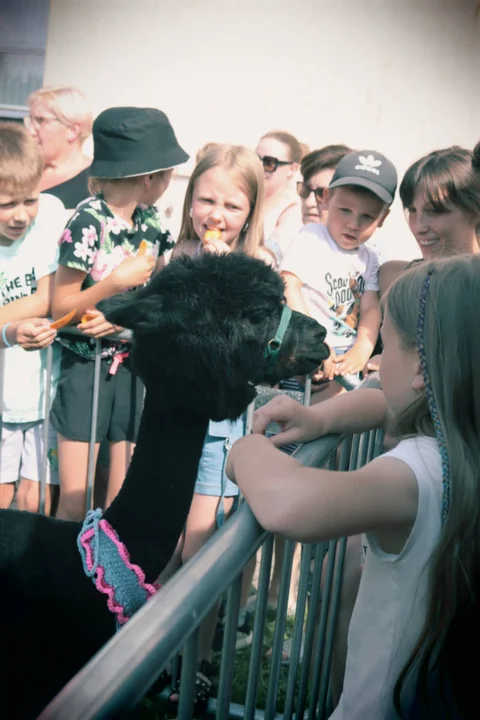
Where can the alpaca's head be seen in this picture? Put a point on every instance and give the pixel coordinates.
(202, 329)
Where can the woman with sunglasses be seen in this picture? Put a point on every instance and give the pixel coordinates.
(317, 170)
(60, 120)
(280, 153)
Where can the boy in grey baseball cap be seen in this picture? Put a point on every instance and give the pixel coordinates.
(332, 275)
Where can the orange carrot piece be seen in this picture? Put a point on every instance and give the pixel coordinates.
(142, 248)
(212, 235)
(61, 322)
(85, 318)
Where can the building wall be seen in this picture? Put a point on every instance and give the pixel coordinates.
(396, 75)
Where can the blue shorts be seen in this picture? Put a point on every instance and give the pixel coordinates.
(211, 478)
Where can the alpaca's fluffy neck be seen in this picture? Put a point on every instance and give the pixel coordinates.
(150, 511)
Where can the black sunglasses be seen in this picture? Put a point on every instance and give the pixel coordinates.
(270, 164)
(305, 190)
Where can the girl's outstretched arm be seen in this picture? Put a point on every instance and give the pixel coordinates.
(353, 412)
(311, 505)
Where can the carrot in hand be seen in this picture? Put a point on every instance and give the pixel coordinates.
(65, 320)
(85, 318)
(142, 248)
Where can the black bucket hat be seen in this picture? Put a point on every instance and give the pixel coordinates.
(130, 141)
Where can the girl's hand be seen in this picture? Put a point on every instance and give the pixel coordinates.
(34, 334)
(134, 271)
(295, 420)
(216, 247)
(97, 326)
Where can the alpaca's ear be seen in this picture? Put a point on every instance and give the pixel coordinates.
(133, 310)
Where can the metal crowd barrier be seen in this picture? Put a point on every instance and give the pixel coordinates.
(118, 677)
(120, 674)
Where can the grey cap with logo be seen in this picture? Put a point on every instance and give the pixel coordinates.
(369, 169)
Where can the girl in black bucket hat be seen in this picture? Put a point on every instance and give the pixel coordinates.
(113, 242)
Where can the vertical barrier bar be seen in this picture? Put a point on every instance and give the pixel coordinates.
(46, 427)
(309, 631)
(188, 676)
(249, 420)
(330, 637)
(279, 631)
(307, 393)
(93, 430)
(258, 629)
(228, 649)
(298, 630)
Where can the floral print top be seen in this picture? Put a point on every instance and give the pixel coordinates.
(96, 241)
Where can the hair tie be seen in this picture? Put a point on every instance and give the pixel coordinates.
(4, 335)
(432, 405)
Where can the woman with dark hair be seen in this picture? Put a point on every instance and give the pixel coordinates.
(317, 170)
(440, 194)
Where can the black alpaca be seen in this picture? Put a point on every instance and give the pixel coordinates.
(201, 331)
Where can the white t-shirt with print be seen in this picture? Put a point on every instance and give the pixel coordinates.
(333, 280)
(392, 600)
(22, 264)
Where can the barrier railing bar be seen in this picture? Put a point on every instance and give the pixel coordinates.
(46, 428)
(298, 630)
(228, 650)
(188, 676)
(93, 429)
(309, 630)
(259, 624)
(279, 633)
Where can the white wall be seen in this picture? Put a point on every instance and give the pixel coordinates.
(400, 76)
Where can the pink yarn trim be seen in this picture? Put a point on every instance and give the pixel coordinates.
(100, 583)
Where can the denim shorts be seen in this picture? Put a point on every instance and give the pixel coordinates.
(211, 477)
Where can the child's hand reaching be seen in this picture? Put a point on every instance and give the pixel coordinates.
(327, 369)
(295, 420)
(134, 271)
(95, 325)
(351, 362)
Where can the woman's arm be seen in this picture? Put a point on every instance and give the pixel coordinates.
(311, 505)
(353, 412)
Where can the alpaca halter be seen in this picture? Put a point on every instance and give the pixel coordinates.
(432, 405)
(106, 560)
(272, 350)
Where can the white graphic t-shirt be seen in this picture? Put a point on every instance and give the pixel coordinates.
(333, 281)
(22, 264)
